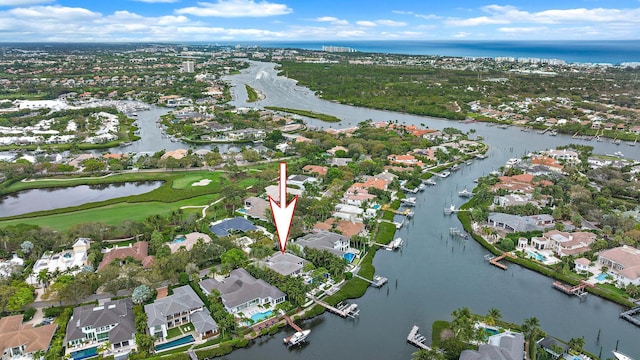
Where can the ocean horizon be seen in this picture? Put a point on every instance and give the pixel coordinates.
(601, 51)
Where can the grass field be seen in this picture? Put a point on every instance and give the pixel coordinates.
(186, 182)
(112, 214)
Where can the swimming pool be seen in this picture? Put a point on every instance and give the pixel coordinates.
(176, 342)
(376, 206)
(262, 315)
(178, 239)
(536, 256)
(85, 353)
(602, 277)
(242, 211)
(349, 257)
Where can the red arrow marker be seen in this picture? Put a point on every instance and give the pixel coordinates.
(283, 213)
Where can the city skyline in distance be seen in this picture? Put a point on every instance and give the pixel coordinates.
(330, 20)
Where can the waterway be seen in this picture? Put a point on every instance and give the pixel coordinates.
(152, 139)
(434, 274)
(27, 201)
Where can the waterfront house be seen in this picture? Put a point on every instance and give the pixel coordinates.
(504, 346)
(111, 321)
(336, 244)
(21, 341)
(564, 155)
(348, 212)
(551, 346)
(582, 265)
(564, 243)
(517, 223)
(273, 191)
(285, 264)
(406, 160)
(623, 262)
(241, 292)
(138, 251)
(181, 308)
(7, 267)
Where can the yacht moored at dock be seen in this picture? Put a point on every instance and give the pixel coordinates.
(444, 174)
(298, 338)
(465, 193)
(410, 201)
(621, 356)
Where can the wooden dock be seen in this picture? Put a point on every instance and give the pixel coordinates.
(343, 310)
(629, 316)
(577, 290)
(495, 260)
(414, 338)
(405, 212)
(292, 324)
(377, 281)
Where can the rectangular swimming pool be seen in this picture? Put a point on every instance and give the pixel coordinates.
(175, 343)
(85, 353)
(259, 316)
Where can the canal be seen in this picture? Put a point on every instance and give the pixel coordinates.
(434, 274)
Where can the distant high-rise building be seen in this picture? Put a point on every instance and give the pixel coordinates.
(188, 66)
(331, 48)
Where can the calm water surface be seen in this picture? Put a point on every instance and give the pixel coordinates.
(434, 273)
(27, 201)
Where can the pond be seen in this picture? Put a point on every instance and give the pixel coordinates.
(27, 201)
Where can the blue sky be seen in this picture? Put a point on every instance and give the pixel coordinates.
(323, 20)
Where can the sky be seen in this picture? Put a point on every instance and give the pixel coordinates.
(316, 20)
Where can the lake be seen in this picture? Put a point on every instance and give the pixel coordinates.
(27, 201)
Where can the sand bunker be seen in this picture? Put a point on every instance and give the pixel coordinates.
(202, 182)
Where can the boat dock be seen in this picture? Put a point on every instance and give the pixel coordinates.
(414, 338)
(629, 316)
(577, 290)
(292, 324)
(405, 212)
(377, 281)
(343, 310)
(455, 232)
(495, 261)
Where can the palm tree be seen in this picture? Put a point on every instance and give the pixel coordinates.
(462, 324)
(576, 344)
(531, 330)
(433, 354)
(44, 277)
(492, 316)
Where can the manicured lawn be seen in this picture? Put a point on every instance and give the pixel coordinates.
(173, 332)
(186, 181)
(111, 214)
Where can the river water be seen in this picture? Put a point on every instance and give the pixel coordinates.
(27, 201)
(434, 274)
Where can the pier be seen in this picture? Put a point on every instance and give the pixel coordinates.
(455, 232)
(377, 281)
(577, 290)
(405, 212)
(292, 324)
(629, 316)
(342, 310)
(495, 261)
(414, 338)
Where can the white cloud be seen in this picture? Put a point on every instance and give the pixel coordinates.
(332, 20)
(236, 8)
(499, 14)
(22, 2)
(366, 23)
(462, 34)
(422, 16)
(530, 29)
(391, 23)
(54, 13)
(157, 1)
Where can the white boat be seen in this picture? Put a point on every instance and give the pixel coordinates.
(430, 182)
(455, 167)
(395, 244)
(444, 174)
(421, 187)
(411, 201)
(465, 193)
(468, 162)
(449, 210)
(297, 338)
(621, 356)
